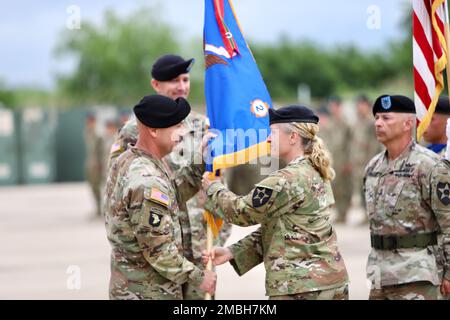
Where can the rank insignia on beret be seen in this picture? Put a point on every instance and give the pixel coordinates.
(158, 196)
(443, 192)
(386, 103)
(261, 196)
(155, 218)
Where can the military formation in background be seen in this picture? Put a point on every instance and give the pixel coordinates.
(402, 187)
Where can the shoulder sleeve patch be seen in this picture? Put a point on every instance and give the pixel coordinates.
(155, 217)
(261, 196)
(443, 192)
(116, 147)
(158, 196)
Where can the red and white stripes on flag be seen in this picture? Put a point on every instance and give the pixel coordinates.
(430, 57)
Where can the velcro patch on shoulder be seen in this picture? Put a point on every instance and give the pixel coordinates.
(261, 196)
(157, 196)
(155, 217)
(443, 192)
(116, 147)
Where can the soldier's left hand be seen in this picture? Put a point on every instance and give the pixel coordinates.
(208, 136)
(208, 179)
(445, 287)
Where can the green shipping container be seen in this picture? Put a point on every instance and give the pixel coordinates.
(37, 135)
(9, 148)
(70, 149)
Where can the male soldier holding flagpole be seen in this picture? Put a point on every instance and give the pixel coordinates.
(171, 78)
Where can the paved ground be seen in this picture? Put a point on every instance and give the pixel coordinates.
(47, 239)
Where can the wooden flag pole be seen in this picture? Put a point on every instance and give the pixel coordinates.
(209, 246)
(209, 243)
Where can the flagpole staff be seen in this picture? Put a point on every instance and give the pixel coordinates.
(209, 246)
(210, 233)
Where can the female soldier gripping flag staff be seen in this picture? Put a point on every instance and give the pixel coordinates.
(296, 241)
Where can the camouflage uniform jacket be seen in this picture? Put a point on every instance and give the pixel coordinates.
(143, 228)
(296, 241)
(408, 196)
(186, 153)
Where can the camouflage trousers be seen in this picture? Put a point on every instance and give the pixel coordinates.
(421, 290)
(340, 293)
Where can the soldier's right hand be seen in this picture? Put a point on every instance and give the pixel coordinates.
(218, 255)
(209, 282)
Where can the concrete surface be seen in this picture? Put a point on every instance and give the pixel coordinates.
(51, 248)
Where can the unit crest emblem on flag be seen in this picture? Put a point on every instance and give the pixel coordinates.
(259, 108)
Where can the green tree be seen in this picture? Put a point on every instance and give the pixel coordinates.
(114, 59)
(7, 97)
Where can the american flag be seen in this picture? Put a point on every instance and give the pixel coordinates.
(430, 57)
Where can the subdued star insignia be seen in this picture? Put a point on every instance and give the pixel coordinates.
(443, 192)
(155, 219)
(261, 196)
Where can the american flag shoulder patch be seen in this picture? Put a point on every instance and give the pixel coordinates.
(157, 196)
(115, 147)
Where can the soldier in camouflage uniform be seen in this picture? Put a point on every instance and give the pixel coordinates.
(339, 145)
(435, 135)
(363, 146)
(171, 78)
(407, 197)
(142, 221)
(94, 160)
(107, 140)
(296, 241)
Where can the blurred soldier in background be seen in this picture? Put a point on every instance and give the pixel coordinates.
(111, 125)
(124, 116)
(435, 135)
(363, 146)
(94, 166)
(325, 130)
(339, 146)
(170, 78)
(108, 138)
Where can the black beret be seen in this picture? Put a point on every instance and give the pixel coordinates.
(292, 114)
(399, 104)
(170, 66)
(156, 111)
(443, 105)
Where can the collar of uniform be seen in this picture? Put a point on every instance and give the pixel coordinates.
(398, 163)
(297, 160)
(143, 153)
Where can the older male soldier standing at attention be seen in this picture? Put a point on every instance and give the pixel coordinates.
(142, 223)
(435, 135)
(407, 199)
(170, 78)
